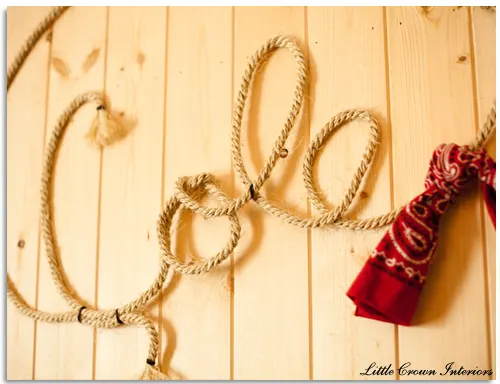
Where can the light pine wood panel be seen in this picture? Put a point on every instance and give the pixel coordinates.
(66, 351)
(131, 181)
(432, 102)
(271, 325)
(484, 36)
(345, 78)
(171, 75)
(196, 309)
(25, 133)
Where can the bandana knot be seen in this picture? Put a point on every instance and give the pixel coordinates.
(389, 285)
(452, 167)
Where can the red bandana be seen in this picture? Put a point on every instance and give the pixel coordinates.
(389, 285)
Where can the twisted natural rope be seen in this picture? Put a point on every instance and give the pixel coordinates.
(93, 317)
(187, 187)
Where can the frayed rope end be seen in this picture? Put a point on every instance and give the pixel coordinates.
(151, 372)
(104, 129)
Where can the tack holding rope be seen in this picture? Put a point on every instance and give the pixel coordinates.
(105, 131)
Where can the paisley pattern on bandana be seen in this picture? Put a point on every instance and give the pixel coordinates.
(388, 286)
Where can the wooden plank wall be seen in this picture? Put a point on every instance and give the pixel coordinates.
(277, 309)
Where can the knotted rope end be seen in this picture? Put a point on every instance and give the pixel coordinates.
(151, 372)
(105, 130)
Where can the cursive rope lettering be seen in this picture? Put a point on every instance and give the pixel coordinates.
(104, 131)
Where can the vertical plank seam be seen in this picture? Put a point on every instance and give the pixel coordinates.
(162, 183)
(390, 155)
(233, 187)
(307, 109)
(99, 201)
(39, 236)
(475, 107)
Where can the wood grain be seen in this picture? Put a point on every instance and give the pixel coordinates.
(25, 135)
(277, 309)
(131, 181)
(196, 309)
(66, 351)
(427, 109)
(271, 322)
(343, 78)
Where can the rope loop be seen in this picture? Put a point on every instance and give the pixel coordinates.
(189, 189)
(317, 144)
(203, 183)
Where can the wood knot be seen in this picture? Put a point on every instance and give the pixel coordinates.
(61, 67)
(91, 59)
(21, 243)
(425, 10)
(284, 153)
(462, 59)
(363, 195)
(141, 58)
(228, 283)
